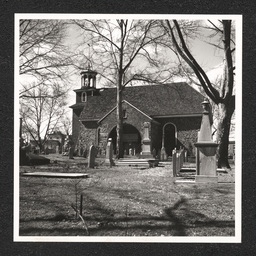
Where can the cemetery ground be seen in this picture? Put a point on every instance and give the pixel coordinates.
(123, 201)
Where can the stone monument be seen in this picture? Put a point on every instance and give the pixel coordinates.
(206, 169)
(146, 152)
(109, 154)
(92, 156)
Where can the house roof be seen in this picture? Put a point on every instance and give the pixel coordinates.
(153, 100)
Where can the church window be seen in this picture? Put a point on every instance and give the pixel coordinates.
(84, 97)
(124, 113)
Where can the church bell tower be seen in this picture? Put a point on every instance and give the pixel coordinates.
(88, 85)
(88, 78)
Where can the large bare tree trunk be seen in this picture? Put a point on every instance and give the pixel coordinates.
(221, 96)
(119, 127)
(226, 111)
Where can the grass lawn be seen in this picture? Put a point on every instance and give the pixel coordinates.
(122, 201)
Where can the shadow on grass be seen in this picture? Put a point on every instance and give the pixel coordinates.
(120, 228)
(178, 225)
(177, 220)
(55, 218)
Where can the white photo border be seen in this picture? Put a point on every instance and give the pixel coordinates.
(238, 134)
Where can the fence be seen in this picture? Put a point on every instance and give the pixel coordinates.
(178, 159)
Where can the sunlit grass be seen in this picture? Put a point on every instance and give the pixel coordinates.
(122, 201)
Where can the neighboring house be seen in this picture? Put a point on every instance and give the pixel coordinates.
(54, 143)
(169, 113)
(34, 146)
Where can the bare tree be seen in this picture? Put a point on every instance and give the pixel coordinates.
(124, 51)
(41, 110)
(65, 124)
(43, 55)
(44, 69)
(222, 95)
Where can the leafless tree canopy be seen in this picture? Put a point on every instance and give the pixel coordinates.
(44, 61)
(222, 94)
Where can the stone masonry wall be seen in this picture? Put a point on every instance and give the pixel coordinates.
(91, 133)
(86, 138)
(187, 131)
(75, 128)
(133, 117)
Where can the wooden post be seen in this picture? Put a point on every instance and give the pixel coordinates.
(197, 162)
(76, 198)
(81, 204)
(174, 162)
(177, 162)
(182, 158)
(20, 127)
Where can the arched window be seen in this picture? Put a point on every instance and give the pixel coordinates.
(84, 97)
(124, 113)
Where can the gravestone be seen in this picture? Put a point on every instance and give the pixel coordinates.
(154, 153)
(81, 151)
(185, 156)
(70, 153)
(163, 154)
(109, 154)
(85, 152)
(71, 149)
(92, 156)
(206, 169)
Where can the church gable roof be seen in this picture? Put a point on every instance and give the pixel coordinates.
(153, 100)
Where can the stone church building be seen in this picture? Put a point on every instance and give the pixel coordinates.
(171, 114)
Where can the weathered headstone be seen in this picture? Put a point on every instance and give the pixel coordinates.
(85, 152)
(206, 168)
(154, 153)
(70, 153)
(185, 156)
(81, 151)
(109, 153)
(92, 156)
(163, 154)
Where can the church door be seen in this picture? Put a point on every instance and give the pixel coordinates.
(169, 138)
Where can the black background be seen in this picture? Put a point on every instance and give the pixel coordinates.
(8, 8)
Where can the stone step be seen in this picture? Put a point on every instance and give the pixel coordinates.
(137, 162)
(55, 174)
